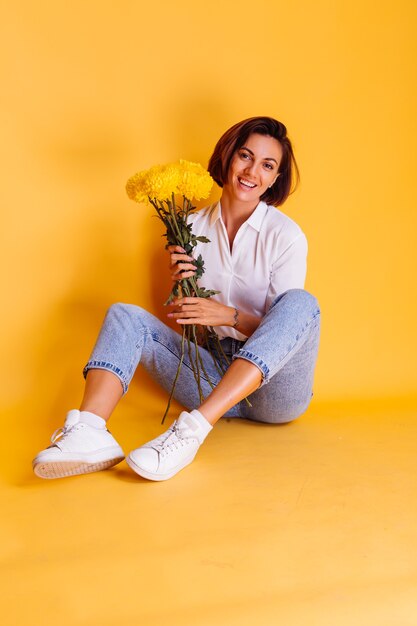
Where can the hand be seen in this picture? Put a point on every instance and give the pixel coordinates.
(182, 269)
(204, 311)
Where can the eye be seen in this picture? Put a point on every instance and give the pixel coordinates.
(269, 166)
(244, 155)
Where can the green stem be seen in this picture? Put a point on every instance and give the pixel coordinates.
(189, 286)
(176, 376)
(204, 369)
(189, 349)
(219, 345)
(194, 285)
(186, 286)
(200, 391)
(189, 205)
(217, 364)
(174, 218)
(193, 364)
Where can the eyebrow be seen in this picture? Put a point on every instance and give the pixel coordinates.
(265, 159)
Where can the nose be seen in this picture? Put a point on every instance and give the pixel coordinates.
(251, 168)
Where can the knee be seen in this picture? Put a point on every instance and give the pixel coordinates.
(120, 313)
(300, 299)
(309, 301)
(122, 309)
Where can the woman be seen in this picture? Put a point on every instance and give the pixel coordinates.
(268, 324)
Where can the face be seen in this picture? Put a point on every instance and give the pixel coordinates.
(254, 167)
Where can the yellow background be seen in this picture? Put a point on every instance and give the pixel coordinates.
(94, 91)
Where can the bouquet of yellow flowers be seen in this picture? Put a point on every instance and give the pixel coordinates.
(160, 185)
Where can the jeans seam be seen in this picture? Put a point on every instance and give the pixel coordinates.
(105, 365)
(249, 356)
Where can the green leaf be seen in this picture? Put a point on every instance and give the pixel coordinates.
(206, 293)
(202, 239)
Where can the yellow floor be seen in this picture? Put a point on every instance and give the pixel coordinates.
(312, 523)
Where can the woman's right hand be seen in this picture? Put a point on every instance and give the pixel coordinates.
(181, 266)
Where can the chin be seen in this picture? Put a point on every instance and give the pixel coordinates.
(246, 197)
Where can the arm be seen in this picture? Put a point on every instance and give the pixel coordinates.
(205, 311)
(289, 270)
(208, 312)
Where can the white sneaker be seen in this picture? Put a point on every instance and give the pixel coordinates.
(169, 453)
(83, 445)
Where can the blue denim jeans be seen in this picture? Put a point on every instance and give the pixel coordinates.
(284, 347)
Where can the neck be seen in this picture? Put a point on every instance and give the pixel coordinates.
(236, 210)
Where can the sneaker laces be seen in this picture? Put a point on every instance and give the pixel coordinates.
(61, 433)
(169, 440)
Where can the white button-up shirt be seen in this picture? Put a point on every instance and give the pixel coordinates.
(268, 257)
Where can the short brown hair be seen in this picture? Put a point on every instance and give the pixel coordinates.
(235, 138)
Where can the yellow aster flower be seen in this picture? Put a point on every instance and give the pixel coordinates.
(136, 187)
(196, 181)
(161, 181)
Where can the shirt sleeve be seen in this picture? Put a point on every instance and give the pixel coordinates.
(289, 270)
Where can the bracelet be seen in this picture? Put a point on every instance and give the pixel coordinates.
(236, 318)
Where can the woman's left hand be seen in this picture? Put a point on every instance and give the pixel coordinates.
(204, 311)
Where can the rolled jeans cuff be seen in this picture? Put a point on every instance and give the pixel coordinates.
(261, 365)
(104, 365)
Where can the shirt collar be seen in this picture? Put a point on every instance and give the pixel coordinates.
(215, 213)
(257, 217)
(255, 220)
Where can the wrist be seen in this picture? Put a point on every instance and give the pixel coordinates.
(235, 320)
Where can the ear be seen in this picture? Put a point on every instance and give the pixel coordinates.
(274, 181)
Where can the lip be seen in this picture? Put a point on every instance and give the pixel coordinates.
(243, 186)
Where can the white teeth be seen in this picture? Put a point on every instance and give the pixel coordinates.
(246, 183)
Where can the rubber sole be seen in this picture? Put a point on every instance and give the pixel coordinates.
(61, 469)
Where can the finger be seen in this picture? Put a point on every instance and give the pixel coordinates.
(176, 277)
(189, 300)
(182, 313)
(173, 248)
(192, 320)
(177, 302)
(180, 257)
(181, 275)
(185, 311)
(179, 267)
(186, 300)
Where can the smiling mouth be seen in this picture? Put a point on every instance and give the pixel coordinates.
(246, 183)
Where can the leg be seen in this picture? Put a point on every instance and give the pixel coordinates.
(131, 336)
(240, 380)
(128, 336)
(286, 359)
(102, 393)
